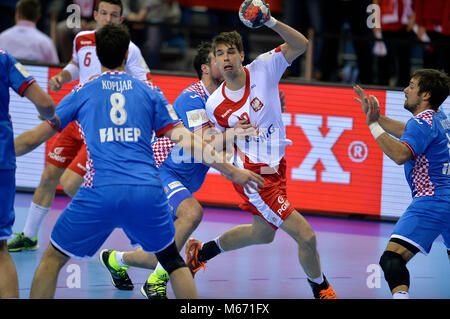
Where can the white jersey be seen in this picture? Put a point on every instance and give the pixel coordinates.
(260, 105)
(85, 56)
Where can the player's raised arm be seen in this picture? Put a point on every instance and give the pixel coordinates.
(255, 13)
(202, 151)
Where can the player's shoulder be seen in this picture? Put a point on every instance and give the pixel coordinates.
(425, 117)
(84, 38)
(217, 96)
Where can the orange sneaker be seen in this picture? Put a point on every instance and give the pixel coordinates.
(323, 290)
(191, 249)
(328, 293)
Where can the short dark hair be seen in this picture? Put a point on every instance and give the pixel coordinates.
(29, 9)
(228, 38)
(435, 82)
(202, 57)
(116, 2)
(112, 43)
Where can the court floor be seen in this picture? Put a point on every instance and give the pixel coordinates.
(349, 251)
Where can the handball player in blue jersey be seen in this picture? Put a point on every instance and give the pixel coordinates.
(15, 76)
(423, 146)
(118, 115)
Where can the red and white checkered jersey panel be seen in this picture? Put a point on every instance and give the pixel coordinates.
(90, 171)
(421, 177)
(161, 149)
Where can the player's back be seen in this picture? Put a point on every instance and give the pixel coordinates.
(85, 54)
(118, 115)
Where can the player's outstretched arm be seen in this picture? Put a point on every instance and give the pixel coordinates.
(391, 126)
(43, 102)
(29, 140)
(202, 151)
(393, 148)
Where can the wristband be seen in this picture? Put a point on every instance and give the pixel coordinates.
(52, 118)
(271, 22)
(376, 130)
(73, 70)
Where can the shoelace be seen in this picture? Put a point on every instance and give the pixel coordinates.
(328, 293)
(201, 264)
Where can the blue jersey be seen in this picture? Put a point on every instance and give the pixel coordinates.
(118, 115)
(190, 108)
(428, 137)
(13, 75)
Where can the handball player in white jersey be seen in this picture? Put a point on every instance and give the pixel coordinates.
(66, 159)
(251, 92)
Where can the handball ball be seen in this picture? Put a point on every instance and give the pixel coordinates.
(254, 13)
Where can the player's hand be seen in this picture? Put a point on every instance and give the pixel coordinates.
(282, 101)
(55, 123)
(363, 99)
(243, 129)
(55, 83)
(373, 111)
(246, 178)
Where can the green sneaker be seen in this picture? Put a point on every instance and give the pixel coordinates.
(118, 274)
(156, 285)
(22, 242)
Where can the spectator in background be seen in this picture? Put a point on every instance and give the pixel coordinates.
(63, 34)
(152, 11)
(7, 8)
(335, 12)
(303, 15)
(433, 20)
(394, 41)
(24, 41)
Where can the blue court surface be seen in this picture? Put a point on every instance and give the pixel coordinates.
(349, 251)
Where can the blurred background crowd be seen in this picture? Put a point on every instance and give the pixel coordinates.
(349, 42)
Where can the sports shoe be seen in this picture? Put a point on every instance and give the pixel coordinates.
(156, 285)
(323, 290)
(118, 274)
(191, 250)
(22, 242)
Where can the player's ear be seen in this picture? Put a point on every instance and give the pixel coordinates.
(242, 56)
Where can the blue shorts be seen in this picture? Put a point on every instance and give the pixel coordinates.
(175, 191)
(424, 220)
(7, 194)
(141, 211)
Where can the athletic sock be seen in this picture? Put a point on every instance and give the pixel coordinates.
(36, 215)
(209, 250)
(317, 280)
(401, 295)
(119, 259)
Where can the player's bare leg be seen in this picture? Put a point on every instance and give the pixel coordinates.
(41, 203)
(45, 192)
(300, 230)
(9, 284)
(46, 275)
(71, 182)
(259, 232)
(183, 284)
